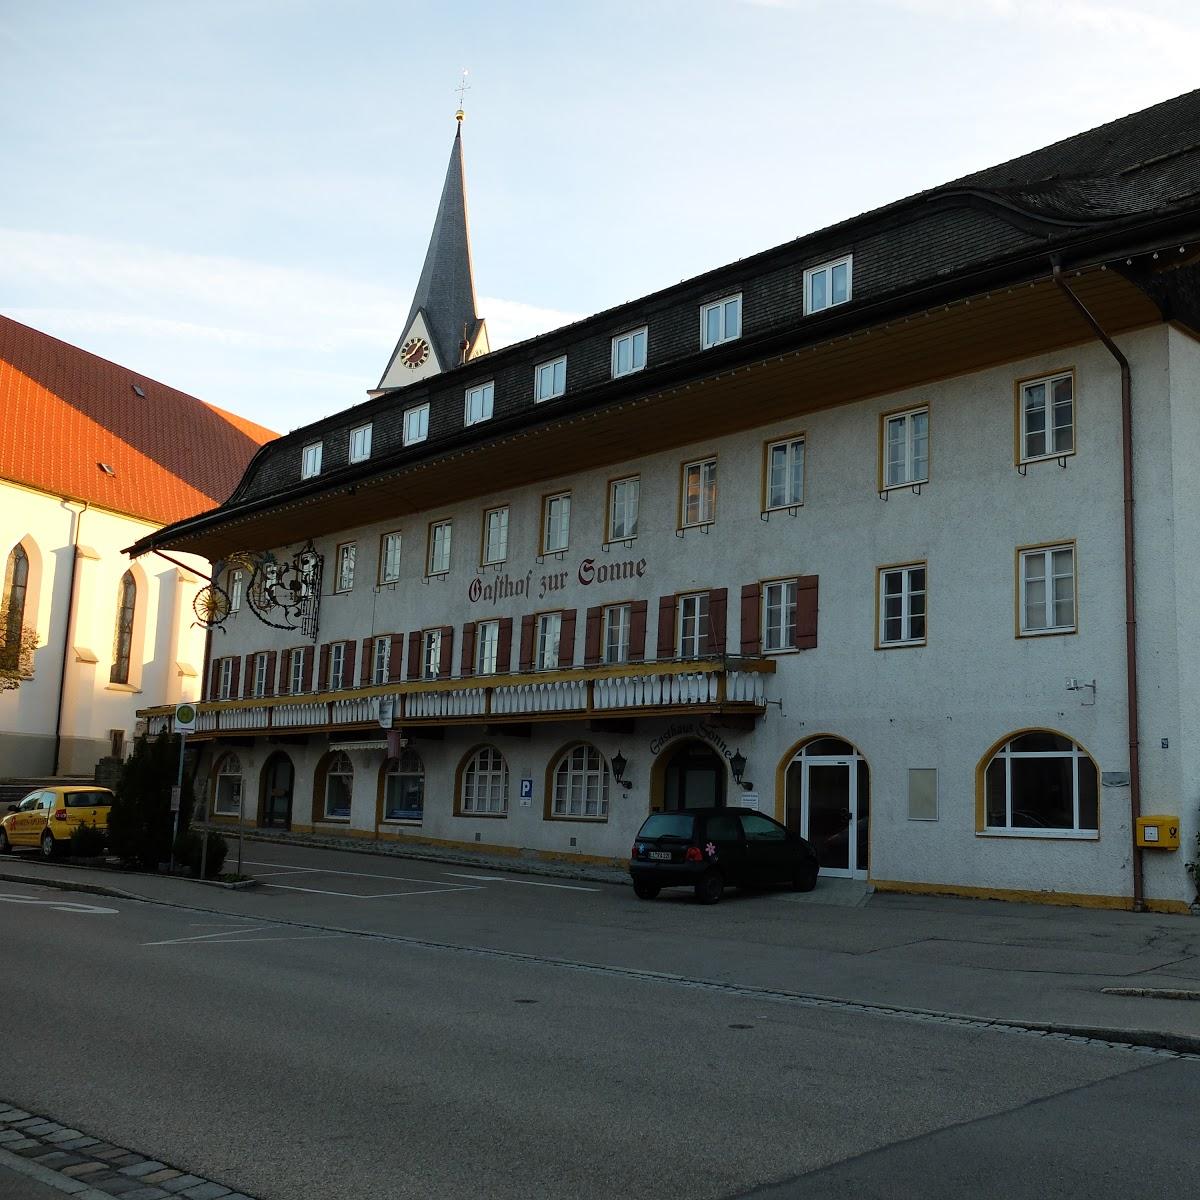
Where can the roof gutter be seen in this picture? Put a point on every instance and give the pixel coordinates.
(1131, 668)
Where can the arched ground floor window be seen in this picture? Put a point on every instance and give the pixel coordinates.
(1039, 783)
(580, 785)
(403, 788)
(227, 787)
(483, 784)
(334, 787)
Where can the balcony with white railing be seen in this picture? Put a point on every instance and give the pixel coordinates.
(667, 688)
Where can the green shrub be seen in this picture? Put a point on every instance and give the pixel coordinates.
(189, 848)
(87, 841)
(140, 820)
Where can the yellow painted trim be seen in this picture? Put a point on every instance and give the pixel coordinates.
(880, 644)
(681, 501)
(767, 446)
(1060, 899)
(882, 433)
(986, 761)
(1019, 597)
(1018, 384)
(544, 524)
(608, 539)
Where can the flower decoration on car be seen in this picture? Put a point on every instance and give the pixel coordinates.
(711, 850)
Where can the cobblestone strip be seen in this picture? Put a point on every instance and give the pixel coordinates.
(91, 1169)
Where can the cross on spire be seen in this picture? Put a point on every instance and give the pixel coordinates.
(462, 89)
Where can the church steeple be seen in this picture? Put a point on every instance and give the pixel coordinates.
(443, 327)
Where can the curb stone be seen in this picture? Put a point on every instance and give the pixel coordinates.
(85, 1174)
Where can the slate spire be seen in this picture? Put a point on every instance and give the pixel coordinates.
(443, 313)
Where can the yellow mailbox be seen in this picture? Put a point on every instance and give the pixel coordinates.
(1158, 833)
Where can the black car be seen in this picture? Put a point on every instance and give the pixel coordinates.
(708, 848)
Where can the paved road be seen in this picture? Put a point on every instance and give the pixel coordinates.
(296, 1061)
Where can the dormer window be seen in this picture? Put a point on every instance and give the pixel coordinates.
(360, 443)
(416, 424)
(550, 380)
(310, 462)
(720, 321)
(827, 285)
(479, 403)
(629, 352)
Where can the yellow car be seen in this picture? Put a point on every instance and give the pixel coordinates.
(46, 817)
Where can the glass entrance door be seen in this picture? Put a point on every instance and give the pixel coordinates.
(277, 800)
(832, 817)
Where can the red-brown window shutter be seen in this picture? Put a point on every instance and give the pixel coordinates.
(566, 639)
(446, 663)
(504, 645)
(214, 669)
(306, 674)
(272, 659)
(396, 659)
(348, 665)
(366, 667)
(414, 655)
(248, 676)
(235, 678)
(666, 626)
(526, 659)
(467, 658)
(751, 619)
(591, 636)
(718, 604)
(637, 630)
(283, 677)
(323, 669)
(806, 612)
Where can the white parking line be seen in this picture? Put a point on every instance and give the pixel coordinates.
(565, 887)
(67, 906)
(204, 937)
(440, 889)
(246, 941)
(330, 871)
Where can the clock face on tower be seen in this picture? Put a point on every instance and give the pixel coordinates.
(414, 352)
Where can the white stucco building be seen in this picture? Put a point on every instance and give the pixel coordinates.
(93, 457)
(887, 532)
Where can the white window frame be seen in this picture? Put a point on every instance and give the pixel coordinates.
(691, 625)
(390, 547)
(487, 647)
(827, 269)
(624, 497)
(479, 402)
(296, 672)
(793, 494)
(1008, 755)
(722, 309)
(549, 639)
(360, 443)
(912, 469)
(337, 667)
(1050, 427)
(615, 629)
(779, 607)
(553, 526)
(437, 560)
(260, 674)
(310, 460)
(495, 549)
(580, 786)
(381, 659)
(237, 589)
(1044, 556)
(484, 783)
(343, 580)
(911, 598)
(637, 341)
(549, 371)
(705, 470)
(224, 804)
(340, 767)
(225, 683)
(407, 766)
(416, 424)
(431, 654)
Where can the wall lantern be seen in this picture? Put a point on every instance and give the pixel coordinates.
(737, 764)
(618, 762)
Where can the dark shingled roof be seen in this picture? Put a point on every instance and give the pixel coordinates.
(445, 293)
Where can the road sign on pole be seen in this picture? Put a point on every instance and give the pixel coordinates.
(185, 717)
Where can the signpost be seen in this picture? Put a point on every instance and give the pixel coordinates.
(185, 723)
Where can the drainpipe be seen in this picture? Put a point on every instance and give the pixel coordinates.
(68, 638)
(1131, 672)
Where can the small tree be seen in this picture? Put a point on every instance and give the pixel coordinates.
(140, 820)
(17, 644)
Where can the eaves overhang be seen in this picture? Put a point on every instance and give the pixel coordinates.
(1005, 310)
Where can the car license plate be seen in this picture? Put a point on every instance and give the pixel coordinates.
(660, 854)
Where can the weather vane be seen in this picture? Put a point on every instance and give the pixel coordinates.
(462, 89)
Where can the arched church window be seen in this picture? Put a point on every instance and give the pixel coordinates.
(123, 639)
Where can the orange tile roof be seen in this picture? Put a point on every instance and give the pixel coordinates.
(64, 411)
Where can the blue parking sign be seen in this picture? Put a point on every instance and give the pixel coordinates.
(526, 789)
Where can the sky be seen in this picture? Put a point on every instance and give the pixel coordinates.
(235, 196)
